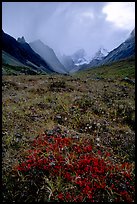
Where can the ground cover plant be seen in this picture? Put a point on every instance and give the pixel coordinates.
(62, 168)
(69, 138)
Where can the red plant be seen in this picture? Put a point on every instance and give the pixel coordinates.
(85, 176)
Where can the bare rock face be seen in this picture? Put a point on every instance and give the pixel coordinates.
(123, 51)
(48, 55)
(21, 40)
(22, 52)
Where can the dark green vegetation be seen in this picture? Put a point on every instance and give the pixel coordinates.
(18, 70)
(94, 103)
(123, 68)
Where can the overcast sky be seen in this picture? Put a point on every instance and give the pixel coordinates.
(69, 26)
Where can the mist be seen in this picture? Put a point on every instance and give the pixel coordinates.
(69, 26)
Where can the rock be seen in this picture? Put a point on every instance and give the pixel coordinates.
(49, 132)
(76, 137)
(21, 40)
(59, 118)
(130, 81)
(98, 139)
(99, 78)
(57, 129)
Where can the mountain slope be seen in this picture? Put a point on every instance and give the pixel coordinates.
(120, 69)
(123, 51)
(9, 59)
(100, 54)
(68, 63)
(79, 57)
(48, 55)
(74, 61)
(98, 57)
(23, 53)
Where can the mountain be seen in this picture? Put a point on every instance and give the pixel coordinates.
(79, 57)
(98, 57)
(95, 60)
(132, 35)
(79, 60)
(9, 59)
(74, 61)
(68, 63)
(123, 51)
(21, 52)
(100, 54)
(48, 55)
(21, 40)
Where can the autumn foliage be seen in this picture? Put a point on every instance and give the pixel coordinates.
(67, 169)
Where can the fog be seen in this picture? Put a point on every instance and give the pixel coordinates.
(69, 26)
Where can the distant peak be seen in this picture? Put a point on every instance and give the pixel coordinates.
(80, 52)
(133, 33)
(102, 49)
(101, 53)
(131, 36)
(21, 40)
(38, 41)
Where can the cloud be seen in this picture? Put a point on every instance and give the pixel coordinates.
(87, 14)
(121, 14)
(68, 26)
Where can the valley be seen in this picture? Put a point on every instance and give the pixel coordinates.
(68, 102)
(97, 104)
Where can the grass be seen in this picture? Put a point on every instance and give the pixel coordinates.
(16, 70)
(123, 68)
(103, 111)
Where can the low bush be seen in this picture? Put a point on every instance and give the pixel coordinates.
(58, 168)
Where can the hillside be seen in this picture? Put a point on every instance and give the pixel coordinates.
(48, 55)
(124, 51)
(9, 59)
(115, 70)
(23, 53)
(48, 118)
(19, 69)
